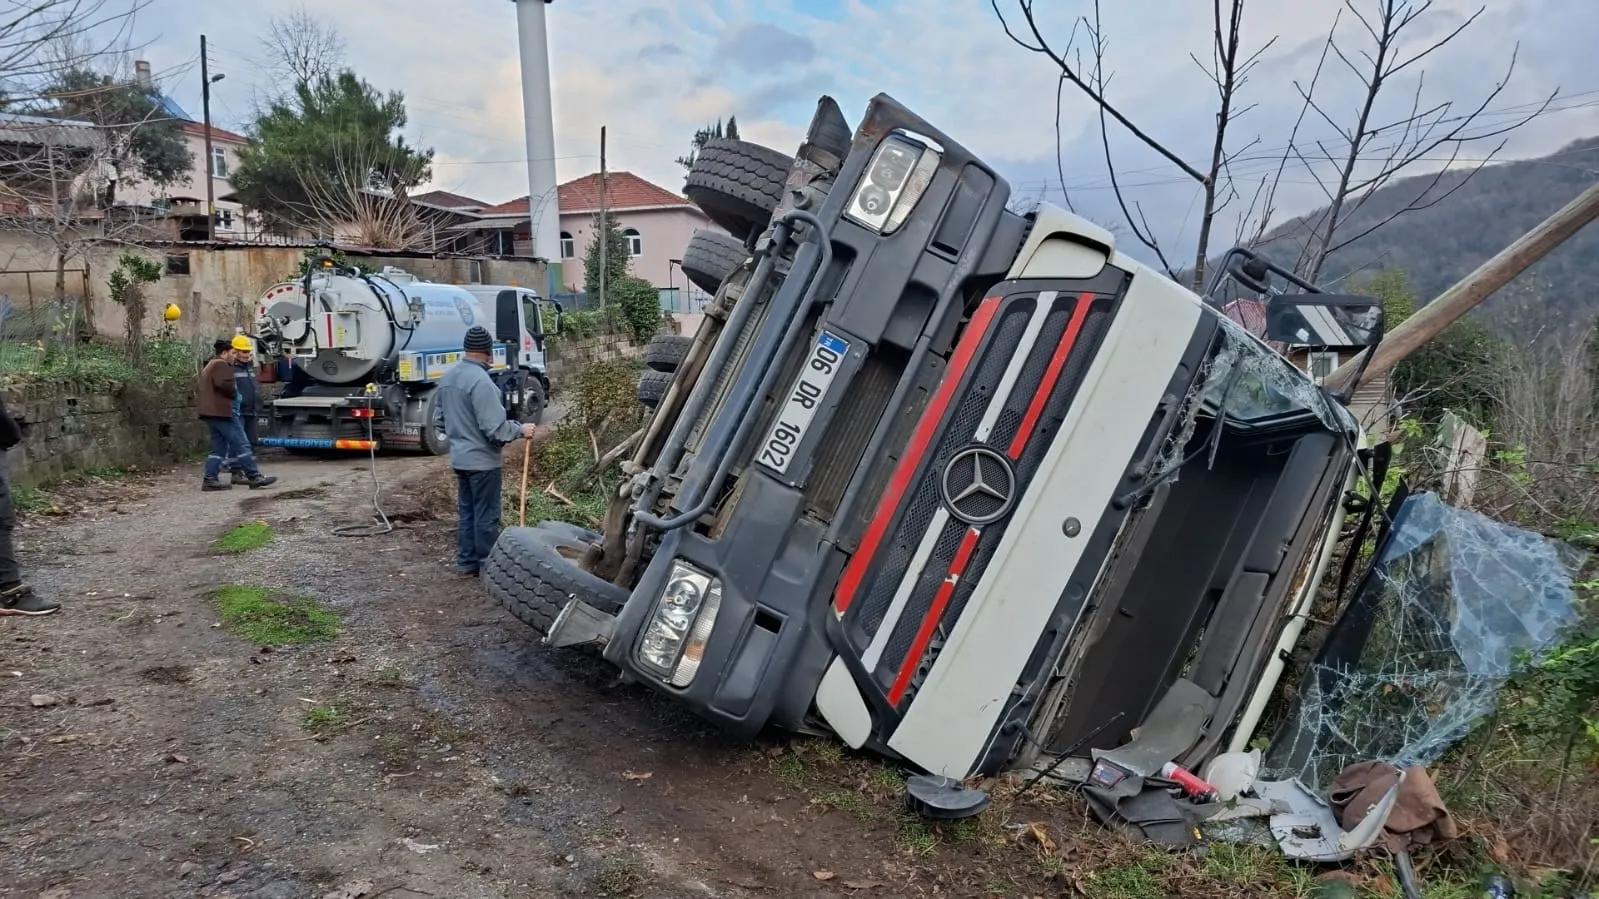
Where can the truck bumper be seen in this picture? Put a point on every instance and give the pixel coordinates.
(763, 657)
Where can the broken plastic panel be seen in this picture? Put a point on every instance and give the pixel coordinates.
(1252, 384)
(1427, 642)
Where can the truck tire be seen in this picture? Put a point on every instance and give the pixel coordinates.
(738, 184)
(566, 530)
(532, 573)
(533, 400)
(710, 257)
(652, 386)
(433, 442)
(666, 352)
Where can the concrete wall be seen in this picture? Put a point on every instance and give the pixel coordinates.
(70, 429)
(223, 284)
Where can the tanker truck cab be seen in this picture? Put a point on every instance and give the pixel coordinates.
(523, 321)
(962, 485)
(367, 351)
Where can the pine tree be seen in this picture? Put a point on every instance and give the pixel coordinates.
(616, 256)
(709, 133)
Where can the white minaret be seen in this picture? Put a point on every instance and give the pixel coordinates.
(538, 118)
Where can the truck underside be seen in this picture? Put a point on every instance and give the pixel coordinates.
(961, 485)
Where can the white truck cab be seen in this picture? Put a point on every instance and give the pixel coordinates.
(962, 485)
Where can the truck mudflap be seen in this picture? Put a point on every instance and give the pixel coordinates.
(998, 517)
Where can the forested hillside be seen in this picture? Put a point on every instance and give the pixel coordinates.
(1437, 245)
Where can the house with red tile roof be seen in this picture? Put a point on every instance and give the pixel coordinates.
(657, 222)
(186, 199)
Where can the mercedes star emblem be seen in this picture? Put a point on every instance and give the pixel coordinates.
(979, 485)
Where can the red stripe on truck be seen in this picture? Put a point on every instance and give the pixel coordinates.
(1046, 384)
(935, 613)
(855, 572)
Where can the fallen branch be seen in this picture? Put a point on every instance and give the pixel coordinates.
(609, 459)
(550, 489)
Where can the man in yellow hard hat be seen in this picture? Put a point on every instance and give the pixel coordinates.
(217, 392)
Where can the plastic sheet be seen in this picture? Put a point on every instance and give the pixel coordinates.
(1422, 651)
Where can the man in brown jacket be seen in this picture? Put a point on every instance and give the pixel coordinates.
(215, 405)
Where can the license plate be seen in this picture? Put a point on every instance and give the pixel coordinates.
(815, 377)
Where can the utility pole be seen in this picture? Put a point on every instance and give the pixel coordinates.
(604, 235)
(210, 163)
(1471, 290)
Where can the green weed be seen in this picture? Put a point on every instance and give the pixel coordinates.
(272, 618)
(30, 500)
(323, 717)
(245, 537)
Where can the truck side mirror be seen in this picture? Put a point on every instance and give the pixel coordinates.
(560, 317)
(1324, 320)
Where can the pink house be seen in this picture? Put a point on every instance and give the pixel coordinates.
(186, 199)
(657, 223)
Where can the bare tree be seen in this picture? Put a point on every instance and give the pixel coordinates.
(356, 198)
(300, 47)
(53, 181)
(1227, 69)
(67, 136)
(38, 36)
(1368, 154)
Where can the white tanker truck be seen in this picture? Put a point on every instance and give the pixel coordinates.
(367, 350)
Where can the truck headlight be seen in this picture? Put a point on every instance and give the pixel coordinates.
(894, 183)
(674, 640)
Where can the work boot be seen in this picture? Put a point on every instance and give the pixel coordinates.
(215, 484)
(259, 480)
(19, 599)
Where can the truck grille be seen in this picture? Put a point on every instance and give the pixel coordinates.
(838, 455)
(967, 407)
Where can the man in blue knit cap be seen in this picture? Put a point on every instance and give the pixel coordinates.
(471, 412)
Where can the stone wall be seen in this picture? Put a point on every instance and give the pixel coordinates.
(73, 428)
(567, 356)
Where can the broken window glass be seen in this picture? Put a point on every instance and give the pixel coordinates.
(1252, 384)
(1434, 631)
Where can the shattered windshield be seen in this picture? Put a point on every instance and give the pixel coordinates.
(1426, 643)
(1252, 384)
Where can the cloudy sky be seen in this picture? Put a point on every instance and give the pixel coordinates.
(654, 70)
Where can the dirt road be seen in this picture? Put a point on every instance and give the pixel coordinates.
(431, 749)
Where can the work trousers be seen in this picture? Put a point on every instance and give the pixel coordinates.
(10, 572)
(477, 507)
(228, 445)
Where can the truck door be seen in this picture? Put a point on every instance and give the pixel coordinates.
(508, 326)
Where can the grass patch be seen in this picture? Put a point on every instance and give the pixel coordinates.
(272, 618)
(619, 877)
(323, 717)
(165, 361)
(30, 500)
(243, 538)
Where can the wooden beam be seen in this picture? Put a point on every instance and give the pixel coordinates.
(1471, 290)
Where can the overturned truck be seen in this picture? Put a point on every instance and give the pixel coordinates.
(960, 484)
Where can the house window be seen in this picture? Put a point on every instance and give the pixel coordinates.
(568, 245)
(635, 242)
(224, 220)
(219, 162)
(1320, 365)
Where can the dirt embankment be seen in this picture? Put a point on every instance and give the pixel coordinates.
(415, 742)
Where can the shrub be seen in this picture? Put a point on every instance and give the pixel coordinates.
(638, 306)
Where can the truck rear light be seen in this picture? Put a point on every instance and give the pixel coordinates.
(363, 413)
